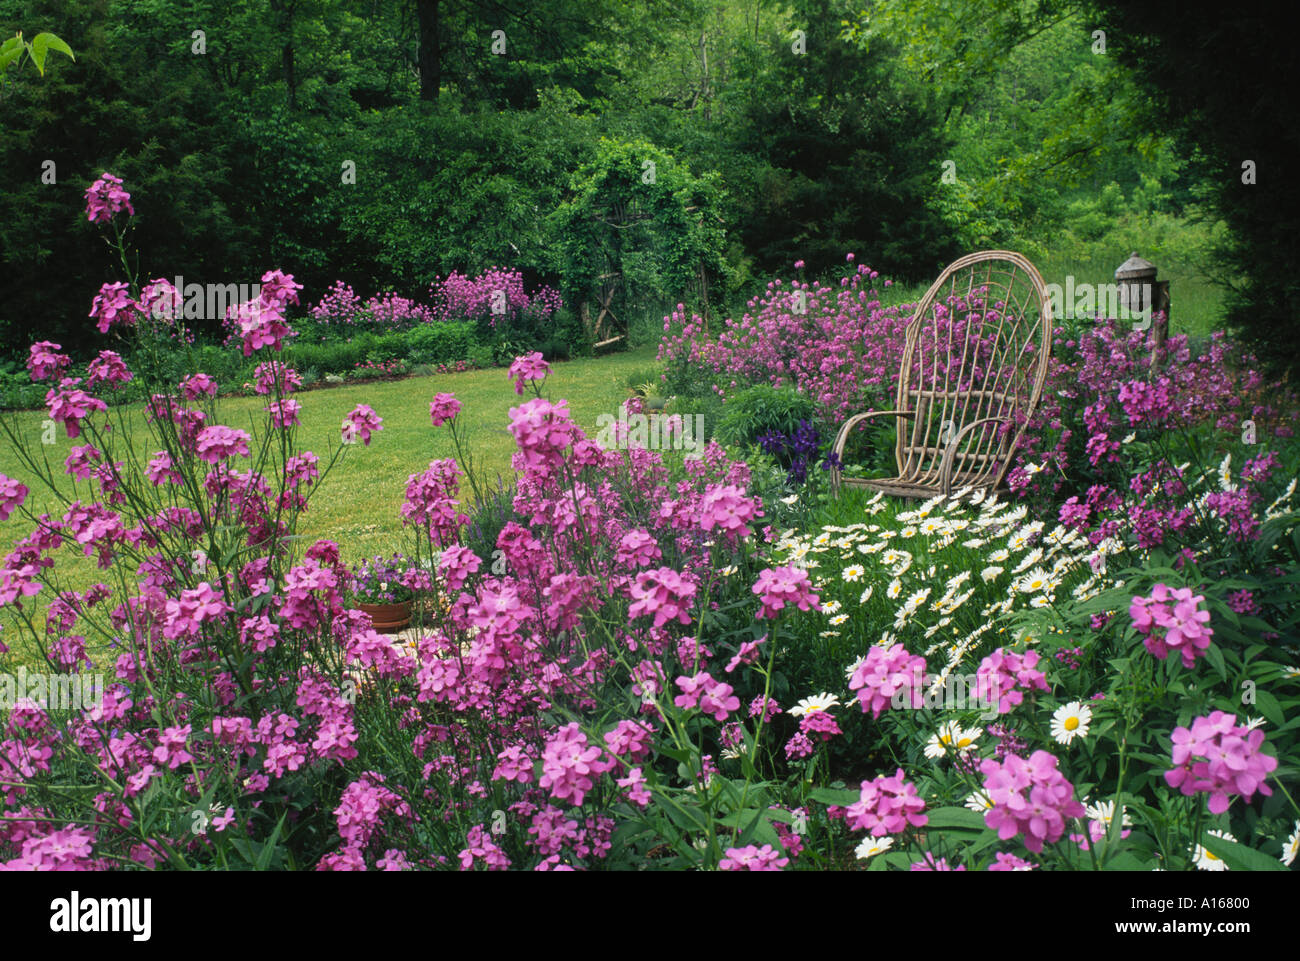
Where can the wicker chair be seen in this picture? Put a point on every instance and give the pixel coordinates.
(972, 373)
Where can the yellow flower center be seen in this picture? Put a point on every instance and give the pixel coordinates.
(964, 742)
(1211, 855)
(1070, 723)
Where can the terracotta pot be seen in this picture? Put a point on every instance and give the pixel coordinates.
(388, 618)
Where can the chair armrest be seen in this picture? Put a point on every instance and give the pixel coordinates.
(950, 451)
(843, 436)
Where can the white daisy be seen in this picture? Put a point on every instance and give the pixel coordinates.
(818, 702)
(1104, 811)
(866, 595)
(979, 802)
(831, 607)
(1070, 721)
(894, 589)
(1292, 846)
(853, 573)
(870, 846)
(991, 573)
(1033, 582)
(791, 500)
(1254, 722)
(951, 735)
(839, 619)
(1207, 861)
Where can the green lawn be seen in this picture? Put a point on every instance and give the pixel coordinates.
(1196, 305)
(358, 505)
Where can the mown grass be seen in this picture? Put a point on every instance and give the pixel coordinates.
(359, 502)
(1195, 308)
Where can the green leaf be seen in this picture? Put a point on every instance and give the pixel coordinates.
(1215, 656)
(955, 817)
(840, 798)
(1239, 857)
(48, 41)
(1270, 708)
(10, 51)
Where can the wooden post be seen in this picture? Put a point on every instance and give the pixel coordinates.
(1140, 291)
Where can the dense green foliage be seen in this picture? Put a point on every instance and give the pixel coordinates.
(686, 150)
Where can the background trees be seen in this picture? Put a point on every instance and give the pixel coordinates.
(389, 142)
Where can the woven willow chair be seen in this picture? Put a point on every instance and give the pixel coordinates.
(971, 376)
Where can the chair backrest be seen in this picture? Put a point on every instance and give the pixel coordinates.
(977, 347)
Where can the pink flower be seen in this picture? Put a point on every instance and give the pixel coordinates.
(887, 675)
(12, 495)
(284, 413)
(747, 654)
(665, 593)
(160, 469)
(44, 362)
(480, 847)
(526, 368)
(161, 301)
(1003, 674)
(444, 408)
(570, 763)
(932, 865)
(107, 368)
(171, 747)
(779, 586)
(1180, 629)
(752, 858)
(273, 377)
(886, 805)
(216, 443)
(637, 548)
(513, 764)
(728, 509)
(635, 783)
(113, 306)
(361, 422)
(1009, 862)
(105, 198)
(1219, 757)
(70, 406)
(1029, 797)
(198, 386)
(542, 431)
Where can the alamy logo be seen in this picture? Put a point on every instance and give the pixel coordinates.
(204, 301)
(76, 915)
(1078, 301)
(58, 692)
(657, 432)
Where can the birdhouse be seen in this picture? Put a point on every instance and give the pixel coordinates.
(1145, 299)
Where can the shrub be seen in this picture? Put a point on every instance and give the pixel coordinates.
(760, 410)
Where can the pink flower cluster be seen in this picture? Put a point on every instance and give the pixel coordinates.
(886, 805)
(496, 294)
(753, 858)
(361, 422)
(886, 675)
(530, 367)
(1005, 676)
(667, 594)
(1220, 757)
(443, 409)
(1180, 628)
(105, 198)
(1029, 797)
(778, 586)
(711, 697)
(571, 763)
(260, 322)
